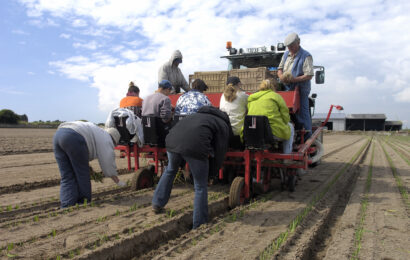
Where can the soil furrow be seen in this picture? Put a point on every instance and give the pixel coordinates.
(387, 222)
(312, 239)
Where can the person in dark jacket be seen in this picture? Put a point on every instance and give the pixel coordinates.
(197, 139)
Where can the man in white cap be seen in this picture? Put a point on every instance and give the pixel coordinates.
(296, 69)
(75, 144)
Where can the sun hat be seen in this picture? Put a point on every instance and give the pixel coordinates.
(165, 84)
(291, 38)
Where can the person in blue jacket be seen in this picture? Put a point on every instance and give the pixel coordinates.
(296, 69)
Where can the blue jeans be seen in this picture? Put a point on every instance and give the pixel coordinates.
(71, 153)
(199, 170)
(303, 116)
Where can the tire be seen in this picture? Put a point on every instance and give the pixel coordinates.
(316, 157)
(291, 182)
(236, 193)
(142, 179)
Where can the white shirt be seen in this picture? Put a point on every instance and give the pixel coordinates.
(236, 110)
(99, 143)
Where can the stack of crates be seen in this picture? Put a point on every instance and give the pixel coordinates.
(250, 78)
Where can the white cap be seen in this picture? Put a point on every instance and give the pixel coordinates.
(114, 134)
(291, 38)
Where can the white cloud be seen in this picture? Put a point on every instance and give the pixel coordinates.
(79, 23)
(20, 32)
(403, 96)
(31, 73)
(65, 35)
(92, 45)
(11, 91)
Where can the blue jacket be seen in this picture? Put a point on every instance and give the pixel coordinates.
(297, 69)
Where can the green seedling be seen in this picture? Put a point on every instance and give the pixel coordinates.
(85, 203)
(134, 207)
(117, 213)
(9, 208)
(53, 232)
(92, 204)
(58, 257)
(10, 247)
(170, 213)
(16, 207)
(117, 236)
(77, 206)
(71, 254)
(35, 219)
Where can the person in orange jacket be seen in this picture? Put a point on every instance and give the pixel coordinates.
(132, 101)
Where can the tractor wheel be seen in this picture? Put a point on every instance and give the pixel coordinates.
(291, 182)
(237, 192)
(143, 178)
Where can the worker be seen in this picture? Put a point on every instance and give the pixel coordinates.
(296, 69)
(189, 102)
(196, 139)
(132, 101)
(75, 144)
(170, 71)
(234, 102)
(266, 102)
(159, 104)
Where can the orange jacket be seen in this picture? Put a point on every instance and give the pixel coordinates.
(131, 101)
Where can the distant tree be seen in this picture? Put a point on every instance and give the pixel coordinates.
(7, 116)
(23, 118)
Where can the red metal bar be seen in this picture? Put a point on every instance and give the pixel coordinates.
(247, 174)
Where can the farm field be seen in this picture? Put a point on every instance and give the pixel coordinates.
(353, 205)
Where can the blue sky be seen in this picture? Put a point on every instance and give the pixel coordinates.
(72, 60)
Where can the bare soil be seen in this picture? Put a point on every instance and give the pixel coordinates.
(119, 224)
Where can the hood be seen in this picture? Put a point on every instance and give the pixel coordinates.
(216, 112)
(257, 95)
(177, 54)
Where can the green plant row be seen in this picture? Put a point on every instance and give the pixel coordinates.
(398, 152)
(276, 244)
(363, 208)
(101, 239)
(399, 182)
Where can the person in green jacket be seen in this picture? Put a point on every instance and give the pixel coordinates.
(266, 102)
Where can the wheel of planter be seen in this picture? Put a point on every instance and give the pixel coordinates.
(143, 178)
(237, 192)
(291, 182)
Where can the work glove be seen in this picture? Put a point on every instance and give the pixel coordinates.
(121, 184)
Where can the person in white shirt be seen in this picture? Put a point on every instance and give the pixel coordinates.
(234, 102)
(75, 144)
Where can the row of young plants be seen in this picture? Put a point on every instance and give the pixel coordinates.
(400, 152)
(50, 205)
(101, 239)
(269, 251)
(85, 205)
(358, 235)
(402, 188)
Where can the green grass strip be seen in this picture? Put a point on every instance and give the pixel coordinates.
(399, 183)
(398, 151)
(363, 207)
(276, 244)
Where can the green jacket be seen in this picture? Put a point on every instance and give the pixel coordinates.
(270, 104)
